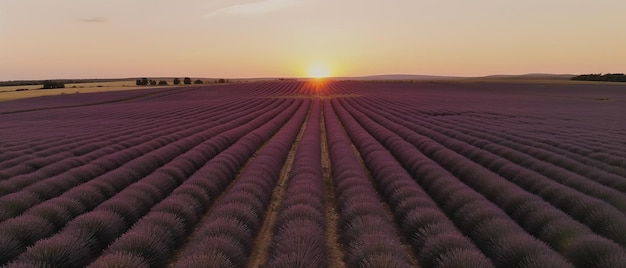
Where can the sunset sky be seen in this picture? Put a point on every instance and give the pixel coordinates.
(42, 39)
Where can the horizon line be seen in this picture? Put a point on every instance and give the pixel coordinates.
(424, 76)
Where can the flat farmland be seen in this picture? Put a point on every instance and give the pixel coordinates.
(29, 91)
(317, 174)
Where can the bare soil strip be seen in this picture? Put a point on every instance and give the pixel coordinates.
(335, 254)
(259, 255)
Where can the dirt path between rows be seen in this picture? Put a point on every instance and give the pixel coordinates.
(389, 213)
(260, 252)
(205, 217)
(335, 254)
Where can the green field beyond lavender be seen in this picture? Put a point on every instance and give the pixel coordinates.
(317, 174)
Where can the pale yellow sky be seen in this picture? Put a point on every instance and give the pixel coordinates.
(41, 39)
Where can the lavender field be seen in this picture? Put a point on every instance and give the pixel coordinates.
(317, 174)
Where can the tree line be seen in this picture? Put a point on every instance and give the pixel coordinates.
(616, 77)
(50, 84)
(187, 81)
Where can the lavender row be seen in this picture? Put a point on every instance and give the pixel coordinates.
(575, 159)
(226, 237)
(171, 164)
(147, 135)
(593, 143)
(300, 228)
(156, 236)
(51, 103)
(16, 203)
(602, 145)
(490, 228)
(144, 194)
(74, 118)
(588, 140)
(368, 237)
(547, 149)
(43, 171)
(79, 145)
(494, 156)
(436, 241)
(583, 247)
(597, 214)
(286, 88)
(102, 117)
(135, 112)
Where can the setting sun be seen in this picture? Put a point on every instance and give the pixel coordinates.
(319, 71)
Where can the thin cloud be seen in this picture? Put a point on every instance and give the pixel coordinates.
(253, 8)
(93, 20)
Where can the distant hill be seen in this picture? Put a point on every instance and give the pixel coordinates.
(533, 76)
(404, 77)
(407, 77)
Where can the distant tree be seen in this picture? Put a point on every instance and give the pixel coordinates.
(162, 83)
(176, 81)
(187, 81)
(197, 82)
(153, 82)
(142, 82)
(222, 81)
(53, 84)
